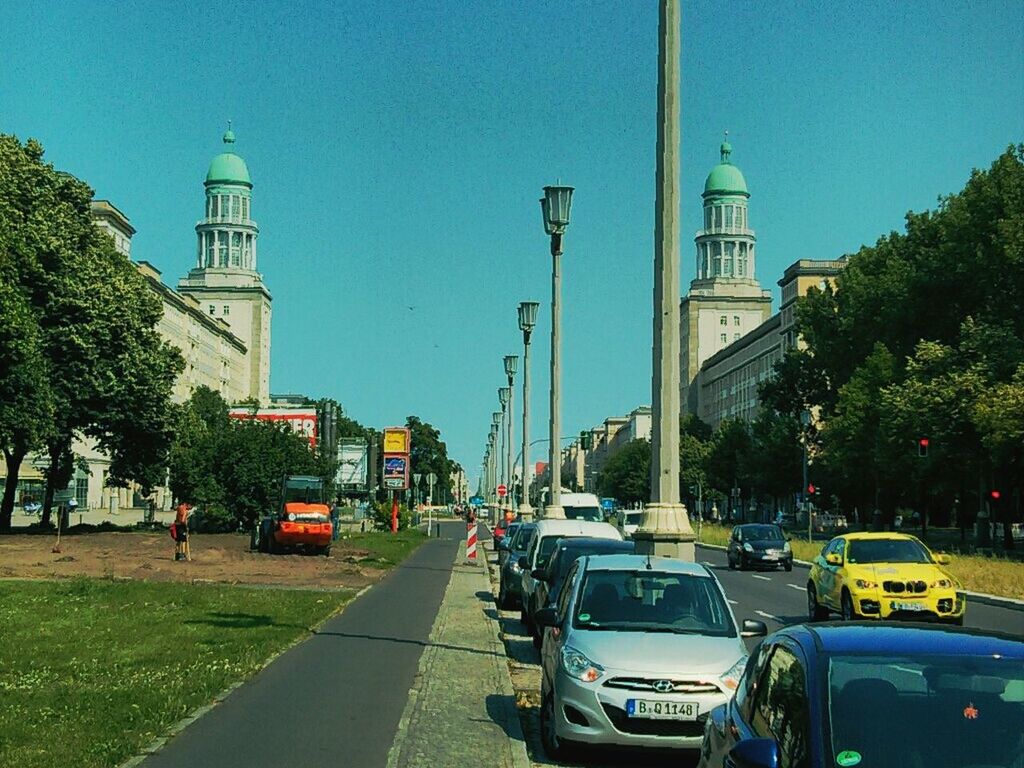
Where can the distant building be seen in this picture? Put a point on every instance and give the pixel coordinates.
(725, 300)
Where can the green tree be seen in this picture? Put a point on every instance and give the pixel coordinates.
(729, 456)
(428, 453)
(626, 476)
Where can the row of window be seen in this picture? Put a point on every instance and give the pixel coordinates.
(227, 207)
(724, 320)
(718, 216)
(224, 249)
(725, 259)
(213, 310)
(722, 337)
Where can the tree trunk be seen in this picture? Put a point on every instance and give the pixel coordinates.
(13, 461)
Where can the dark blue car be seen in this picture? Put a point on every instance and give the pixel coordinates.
(874, 696)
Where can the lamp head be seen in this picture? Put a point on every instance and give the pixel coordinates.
(511, 365)
(528, 315)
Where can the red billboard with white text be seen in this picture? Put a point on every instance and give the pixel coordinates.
(301, 421)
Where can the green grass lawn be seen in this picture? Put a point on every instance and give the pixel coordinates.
(93, 670)
(978, 573)
(386, 548)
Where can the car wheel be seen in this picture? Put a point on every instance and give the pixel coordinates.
(743, 562)
(814, 611)
(325, 550)
(502, 596)
(846, 604)
(522, 615)
(555, 747)
(732, 565)
(788, 566)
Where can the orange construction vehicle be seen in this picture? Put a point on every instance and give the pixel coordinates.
(302, 521)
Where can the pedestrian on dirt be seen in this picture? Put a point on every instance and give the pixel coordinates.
(182, 550)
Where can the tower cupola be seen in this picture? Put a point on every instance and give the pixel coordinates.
(227, 235)
(725, 246)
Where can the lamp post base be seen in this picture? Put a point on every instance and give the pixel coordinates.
(525, 513)
(554, 513)
(665, 532)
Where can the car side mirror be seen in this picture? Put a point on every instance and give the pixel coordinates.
(755, 753)
(753, 628)
(524, 563)
(943, 559)
(539, 574)
(546, 617)
(833, 558)
(502, 543)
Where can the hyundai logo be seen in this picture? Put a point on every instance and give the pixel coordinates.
(663, 686)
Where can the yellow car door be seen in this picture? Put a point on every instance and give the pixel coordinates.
(836, 566)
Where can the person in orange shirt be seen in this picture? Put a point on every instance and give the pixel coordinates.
(182, 551)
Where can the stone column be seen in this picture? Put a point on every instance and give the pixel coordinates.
(665, 528)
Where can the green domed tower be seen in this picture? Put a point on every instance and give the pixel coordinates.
(225, 281)
(725, 301)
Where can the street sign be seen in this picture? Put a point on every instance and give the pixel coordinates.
(394, 483)
(608, 504)
(502, 491)
(63, 496)
(476, 501)
(396, 471)
(396, 440)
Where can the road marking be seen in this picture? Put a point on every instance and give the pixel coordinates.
(762, 578)
(768, 616)
(732, 602)
(708, 562)
(797, 587)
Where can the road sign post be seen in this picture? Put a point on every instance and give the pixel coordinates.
(502, 491)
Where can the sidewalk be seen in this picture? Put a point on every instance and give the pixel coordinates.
(461, 709)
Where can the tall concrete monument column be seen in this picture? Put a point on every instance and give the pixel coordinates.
(665, 528)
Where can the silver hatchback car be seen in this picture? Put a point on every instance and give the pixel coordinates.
(637, 652)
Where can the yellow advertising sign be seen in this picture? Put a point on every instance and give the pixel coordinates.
(396, 440)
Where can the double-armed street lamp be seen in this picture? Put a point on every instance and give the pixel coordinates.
(495, 456)
(527, 322)
(504, 395)
(556, 206)
(511, 365)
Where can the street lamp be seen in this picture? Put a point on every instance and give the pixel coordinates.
(511, 365)
(527, 322)
(805, 422)
(495, 456)
(556, 206)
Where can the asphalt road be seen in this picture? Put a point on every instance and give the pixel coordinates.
(778, 598)
(336, 698)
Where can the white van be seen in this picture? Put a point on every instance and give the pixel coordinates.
(582, 506)
(628, 521)
(543, 542)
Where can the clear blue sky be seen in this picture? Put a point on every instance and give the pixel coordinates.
(398, 150)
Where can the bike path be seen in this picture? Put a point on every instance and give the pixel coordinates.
(336, 698)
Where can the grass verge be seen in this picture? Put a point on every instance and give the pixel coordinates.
(91, 671)
(385, 548)
(978, 573)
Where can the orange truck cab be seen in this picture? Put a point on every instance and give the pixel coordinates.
(303, 520)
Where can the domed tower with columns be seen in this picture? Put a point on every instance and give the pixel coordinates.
(225, 280)
(725, 300)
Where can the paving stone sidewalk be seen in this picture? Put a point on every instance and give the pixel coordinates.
(461, 709)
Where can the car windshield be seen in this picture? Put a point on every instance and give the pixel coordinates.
(763, 533)
(864, 551)
(975, 703)
(652, 601)
(547, 546)
(632, 518)
(522, 538)
(593, 514)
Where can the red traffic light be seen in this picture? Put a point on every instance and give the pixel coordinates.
(923, 442)
(995, 495)
(810, 488)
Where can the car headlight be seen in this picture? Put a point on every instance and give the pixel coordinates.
(291, 517)
(748, 548)
(579, 666)
(731, 678)
(942, 584)
(865, 584)
(786, 547)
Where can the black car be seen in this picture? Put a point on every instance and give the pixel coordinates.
(759, 544)
(877, 696)
(566, 553)
(502, 544)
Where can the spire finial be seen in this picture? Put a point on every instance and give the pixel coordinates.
(229, 136)
(726, 148)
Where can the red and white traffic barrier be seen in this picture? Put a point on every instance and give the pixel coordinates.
(471, 542)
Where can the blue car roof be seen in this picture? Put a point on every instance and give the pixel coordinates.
(884, 639)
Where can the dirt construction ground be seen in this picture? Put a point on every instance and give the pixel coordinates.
(216, 558)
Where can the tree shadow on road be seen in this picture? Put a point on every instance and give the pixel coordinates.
(403, 641)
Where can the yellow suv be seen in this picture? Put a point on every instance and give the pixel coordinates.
(883, 576)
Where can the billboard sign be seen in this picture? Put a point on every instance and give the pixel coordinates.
(396, 440)
(352, 463)
(396, 471)
(301, 421)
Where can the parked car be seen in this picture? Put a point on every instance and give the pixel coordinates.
(637, 653)
(549, 532)
(819, 696)
(510, 572)
(568, 551)
(501, 544)
(582, 506)
(883, 576)
(757, 544)
(628, 520)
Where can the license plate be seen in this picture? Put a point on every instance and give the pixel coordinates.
(771, 556)
(662, 710)
(905, 606)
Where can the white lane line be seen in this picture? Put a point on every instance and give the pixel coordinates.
(797, 587)
(762, 578)
(768, 616)
(732, 602)
(707, 562)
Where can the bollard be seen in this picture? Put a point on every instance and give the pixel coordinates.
(471, 543)
(439, 530)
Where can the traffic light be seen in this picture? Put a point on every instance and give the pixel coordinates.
(994, 494)
(586, 440)
(922, 447)
(811, 489)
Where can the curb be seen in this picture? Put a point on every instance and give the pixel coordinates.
(158, 743)
(996, 601)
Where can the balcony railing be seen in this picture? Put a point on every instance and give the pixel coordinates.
(725, 231)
